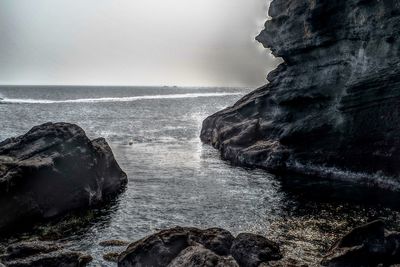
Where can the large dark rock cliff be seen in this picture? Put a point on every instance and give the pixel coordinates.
(333, 106)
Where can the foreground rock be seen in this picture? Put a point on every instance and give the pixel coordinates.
(179, 247)
(113, 243)
(332, 105)
(43, 254)
(200, 256)
(252, 250)
(53, 169)
(367, 245)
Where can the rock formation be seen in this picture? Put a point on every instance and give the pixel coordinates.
(53, 169)
(42, 254)
(332, 107)
(192, 247)
(367, 245)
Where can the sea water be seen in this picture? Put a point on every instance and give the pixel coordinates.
(176, 180)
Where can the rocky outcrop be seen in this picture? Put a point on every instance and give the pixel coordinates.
(179, 247)
(252, 250)
(53, 169)
(198, 256)
(43, 254)
(367, 245)
(333, 105)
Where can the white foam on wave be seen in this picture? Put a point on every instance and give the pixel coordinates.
(373, 180)
(113, 99)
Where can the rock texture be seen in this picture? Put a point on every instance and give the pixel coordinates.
(53, 169)
(198, 256)
(251, 250)
(367, 245)
(43, 254)
(192, 247)
(333, 105)
(113, 243)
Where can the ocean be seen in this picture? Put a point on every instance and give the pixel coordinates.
(176, 180)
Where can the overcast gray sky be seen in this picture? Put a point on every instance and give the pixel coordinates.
(133, 42)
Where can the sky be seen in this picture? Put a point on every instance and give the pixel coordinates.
(133, 42)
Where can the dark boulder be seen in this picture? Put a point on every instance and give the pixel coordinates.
(367, 245)
(53, 169)
(251, 250)
(331, 109)
(182, 246)
(157, 250)
(370, 233)
(215, 239)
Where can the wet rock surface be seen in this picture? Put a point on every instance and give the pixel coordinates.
(51, 170)
(332, 107)
(251, 250)
(27, 249)
(202, 257)
(111, 256)
(180, 246)
(43, 254)
(113, 243)
(367, 245)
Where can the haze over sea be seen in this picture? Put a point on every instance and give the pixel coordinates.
(175, 180)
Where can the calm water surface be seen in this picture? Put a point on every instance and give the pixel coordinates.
(175, 180)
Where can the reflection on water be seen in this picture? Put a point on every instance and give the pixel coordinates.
(175, 180)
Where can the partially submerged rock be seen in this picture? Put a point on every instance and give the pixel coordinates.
(113, 243)
(367, 245)
(43, 254)
(178, 247)
(27, 249)
(53, 259)
(53, 169)
(111, 256)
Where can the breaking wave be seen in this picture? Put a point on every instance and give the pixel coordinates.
(111, 99)
(373, 180)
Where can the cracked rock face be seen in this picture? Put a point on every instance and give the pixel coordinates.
(192, 247)
(333, 106)
(53, 169)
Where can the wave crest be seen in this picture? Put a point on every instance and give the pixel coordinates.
(112, 99)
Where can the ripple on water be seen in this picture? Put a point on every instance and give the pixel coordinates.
(175, 180)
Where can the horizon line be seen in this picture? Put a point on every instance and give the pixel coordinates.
(90, 85)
